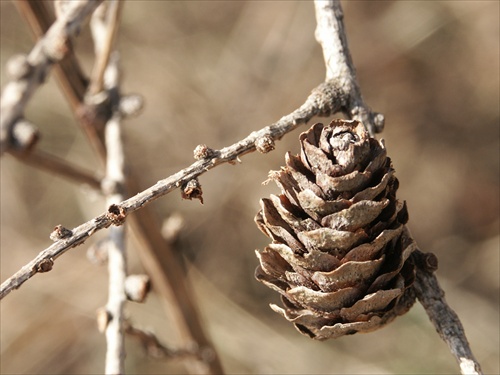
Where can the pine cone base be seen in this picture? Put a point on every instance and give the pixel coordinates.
(340, 251)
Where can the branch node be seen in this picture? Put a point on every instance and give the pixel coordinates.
(103, 317)
(264, 144)
(45, 265)
(131, 105)
(192, 190)
(24, 136)
(18, 67)
(60, 232)
(137, 287)
(203, 152)
(116, 214)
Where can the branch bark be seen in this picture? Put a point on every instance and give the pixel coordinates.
(340, 71)
(444, 319)
(113, 186)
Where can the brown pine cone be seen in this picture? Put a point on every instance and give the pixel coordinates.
(340, 251)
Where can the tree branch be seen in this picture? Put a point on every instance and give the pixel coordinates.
(113, 187)
(50, 48)
(340, 71)
(52, 164)
(444, 319)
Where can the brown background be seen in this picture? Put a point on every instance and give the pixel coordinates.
(212, 72)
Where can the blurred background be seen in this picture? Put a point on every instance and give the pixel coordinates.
(213, 72)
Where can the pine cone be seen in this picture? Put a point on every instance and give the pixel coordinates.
(340, 251)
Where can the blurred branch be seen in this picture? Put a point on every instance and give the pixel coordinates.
(154, 348)
(104, 27)
(113, 187)
(68, 72)
(340, 71)
(52, 47)
(444, 319)
(52, 164)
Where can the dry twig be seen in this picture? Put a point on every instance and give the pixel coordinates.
(444, 319)
(113, 187)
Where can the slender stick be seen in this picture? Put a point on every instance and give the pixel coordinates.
(104, 23)
(106, 33)
(330, 33)
(53, 164)
(68, 72)
(444, 319)
(117, 257)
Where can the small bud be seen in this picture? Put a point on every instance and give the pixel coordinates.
(25, 135)
(192, 190)
(264, 144)
(45, 265)
(103, 318)
(60, 233)
(18, 67)
(137, 287)
(131, 105)
(203, 152)
(116, 214)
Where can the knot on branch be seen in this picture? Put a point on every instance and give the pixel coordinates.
(60, 233)
(203, 152)
(116, 214)
(425, 261)
(23, 136)
(18, 67)
(327, 98)
(44, 266)
(264, 144)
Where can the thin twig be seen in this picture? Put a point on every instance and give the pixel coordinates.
(117, 257)
(55, 165)
(444, 319)
(154, 348)
(69, 75)
(330, 33)
(50, 48)
(113, 186)
(105, 31)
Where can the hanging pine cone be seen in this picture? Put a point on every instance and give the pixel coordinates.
(340, 251)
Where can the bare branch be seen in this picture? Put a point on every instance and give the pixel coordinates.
(444, 319)
(52, 164)
(104, 26)
(153, 346)
(68, 72)
(50, 48)
(340, 71)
